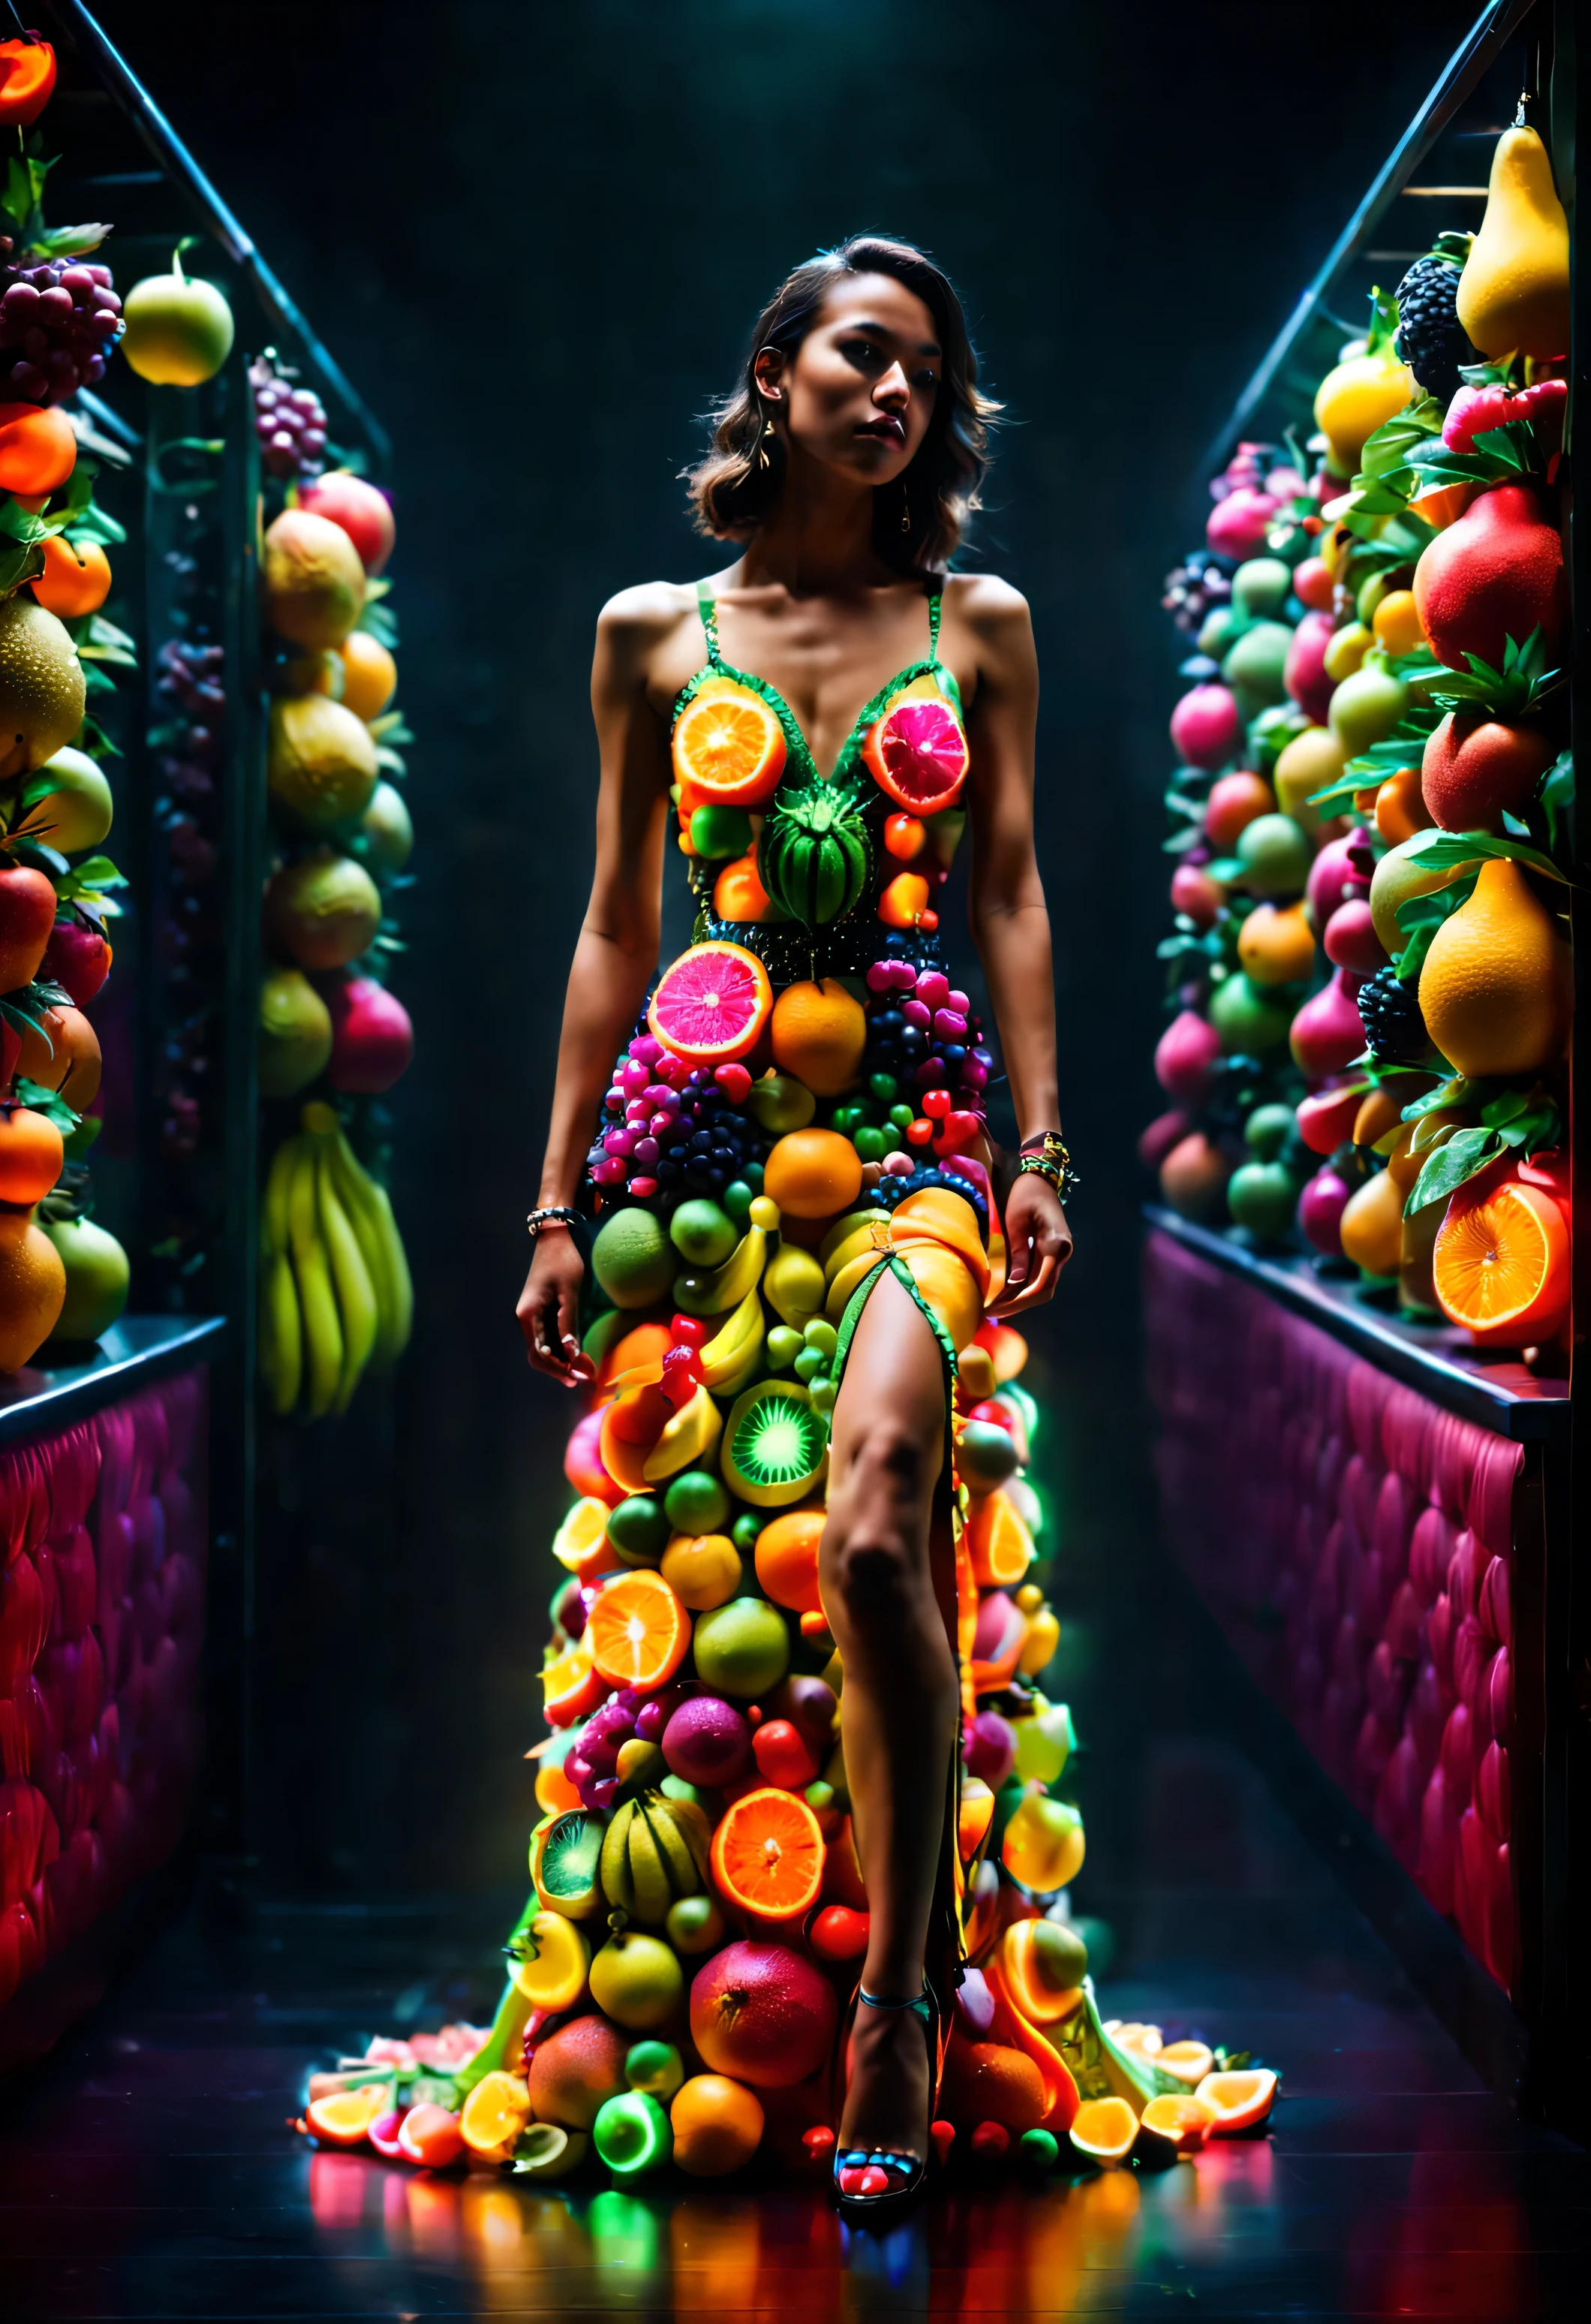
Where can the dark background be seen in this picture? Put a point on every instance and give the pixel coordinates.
(535, 237)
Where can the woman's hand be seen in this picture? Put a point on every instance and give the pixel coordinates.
(548, 1309)
(1038, 1244)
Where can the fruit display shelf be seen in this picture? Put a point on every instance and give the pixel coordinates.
(1360, 1280)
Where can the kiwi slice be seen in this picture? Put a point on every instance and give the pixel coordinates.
(776, 1445)
(565, 1854)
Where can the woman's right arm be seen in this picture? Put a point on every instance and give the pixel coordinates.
(614, 958)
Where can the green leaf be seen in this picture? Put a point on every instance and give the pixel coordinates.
(1437, 851)
(47, 1101)
(380, 624)
(1459, 1159)
(1384, 320)
(1452, 1092)
(68, 241)
(1388, 449)
(1556, 796)
(22, 561)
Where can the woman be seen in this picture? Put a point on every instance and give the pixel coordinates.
(845, 465)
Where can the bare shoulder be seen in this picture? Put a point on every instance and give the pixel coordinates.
(643, 631)
(995, 618)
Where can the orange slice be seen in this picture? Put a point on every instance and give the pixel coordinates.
(638, 1631)
(494, 2114)
(1190, 2062)
(1000, 1544)
(768, 1855)
(1501, 1264)
(712, 1003)
(342, 2118)
(631, 1425)
(572, 1689)
(1238, 2101)
(1104, 2129)
(917, 754)
(1181, 2125)
(729, 746)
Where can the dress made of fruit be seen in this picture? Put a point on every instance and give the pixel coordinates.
(801, 1111)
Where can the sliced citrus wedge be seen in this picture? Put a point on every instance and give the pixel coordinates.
(1238, 2101)
(1103, 2130)
(917, 754)
(1190, 2062)
(638, 1631)
(768, 1855)
(729, 747)
(342, 2118)
(1173, 2125)
(712, 1003)
(1501, 1265)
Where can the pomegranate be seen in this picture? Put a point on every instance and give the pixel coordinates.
(1194, 1179)
(1350, 939)
(1326, 1117)
(77, 958)
(364, 513)
(1304, 676)
(1205, 726)
(1476, 769)
(763, 2015)
(1327, 1033)
(1193, 891)
(1240, 524)
(1185, 1057)
(1495, 575)
(373, 1040)
(27, 916)
(1321, 1207)
(1164, 1132)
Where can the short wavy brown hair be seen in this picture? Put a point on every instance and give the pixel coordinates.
(731, 495)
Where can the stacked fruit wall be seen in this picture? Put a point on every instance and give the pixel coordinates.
(102, 1529)
(1356, 1542)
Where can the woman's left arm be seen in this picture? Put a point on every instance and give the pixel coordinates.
(1009, 919)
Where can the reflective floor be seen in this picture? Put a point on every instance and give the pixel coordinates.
(146, 2170)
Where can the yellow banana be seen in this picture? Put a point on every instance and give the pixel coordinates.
(274, 1234)
(356, 1300)
(353, 1192)
(281, 1336)
(648, 1873)
(795, 1285)
(397, 1267)
(720, 1288)
(323, 1332)
(681, 1866)
(729, 1360)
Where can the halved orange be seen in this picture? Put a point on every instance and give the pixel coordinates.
(917, 752)
(1177, 2126)
(729, 745)
(571, 1687)
(768, 1855)
(1103, 2130)
(1238, 2101)
(638, 1631)
(1501, 1266)
(342, 2118)
(1000, 1544)
(580, 1543)
(712, 1003)
(1190, 2062)
(636, 1355)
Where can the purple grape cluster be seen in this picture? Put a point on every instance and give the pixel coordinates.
(926, 1034)
(290, 423)
(1192, 590)
(592, 1766)
(670, 1130)
(63, 319)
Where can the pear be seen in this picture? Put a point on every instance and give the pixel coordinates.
(1514, 294)
(1496, 990)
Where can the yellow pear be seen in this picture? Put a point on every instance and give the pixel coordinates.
(1514, 294)
(1496, 991)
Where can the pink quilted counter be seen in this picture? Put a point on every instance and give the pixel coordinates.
(103, 1533)
(1361, 1545)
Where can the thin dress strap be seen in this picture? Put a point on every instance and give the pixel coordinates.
(707, 606)
(935, 607)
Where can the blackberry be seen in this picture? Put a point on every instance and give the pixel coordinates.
(1390, 1013)
(1430, 339)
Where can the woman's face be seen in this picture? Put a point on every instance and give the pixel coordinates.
(858, 392)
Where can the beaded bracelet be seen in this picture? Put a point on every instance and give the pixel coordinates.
(1045, 1155)
(552, 1214)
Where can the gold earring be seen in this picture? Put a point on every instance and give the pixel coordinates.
(762, 459)
(905, 511)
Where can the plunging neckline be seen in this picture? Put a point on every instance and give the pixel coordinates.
(796, 742)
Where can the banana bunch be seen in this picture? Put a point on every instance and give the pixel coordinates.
(729, 1359)
(334, 1292)
(653, 1852)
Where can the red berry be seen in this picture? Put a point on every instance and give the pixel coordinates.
(689, 1330)
(783, 1756)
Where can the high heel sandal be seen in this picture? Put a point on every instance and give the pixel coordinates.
(875, 2185)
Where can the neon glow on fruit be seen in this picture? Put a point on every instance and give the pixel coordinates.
(917, 754)
(712, 1004)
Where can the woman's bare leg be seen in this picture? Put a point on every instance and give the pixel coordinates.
(886, 1607)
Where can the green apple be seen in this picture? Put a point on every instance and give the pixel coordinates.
(179, 330)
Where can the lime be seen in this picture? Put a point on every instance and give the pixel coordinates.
(695, 1502)
(745, 1530)
(784, 1344)
(718, 831)
(632, 1258)
(1260, 586)
(639, 1530)
(1268, 1129)
(1254, 666)
(1247, 1021)
(743, 1648)
(1275, 854)
(702, 1232)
